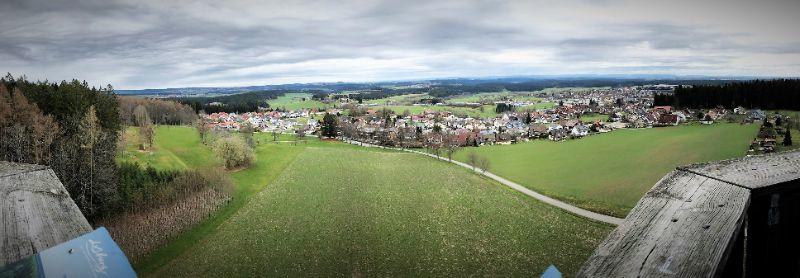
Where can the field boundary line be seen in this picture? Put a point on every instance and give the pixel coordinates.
(524, 190)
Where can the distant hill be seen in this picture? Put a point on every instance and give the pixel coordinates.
(461, 85)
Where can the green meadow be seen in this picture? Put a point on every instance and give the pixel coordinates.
(401, 99)
(494, 96)
(350, 211)
(295, 101)
(594, 117)
(328, 208)
(610, 172)
(488, 110)
(175, 147)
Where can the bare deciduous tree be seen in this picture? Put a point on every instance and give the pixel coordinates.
(472, 159)
(450, 144)
(484, 164)
(26, 133)
(202, 129)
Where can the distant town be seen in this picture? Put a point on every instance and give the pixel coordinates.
(572, 114)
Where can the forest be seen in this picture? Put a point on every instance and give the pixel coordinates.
(68, 126)
(75, 130)
(236, 103)
(451, 87)
(763, 94)
(161, 112)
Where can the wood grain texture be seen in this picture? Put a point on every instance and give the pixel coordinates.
(36, 212)
(686, 225)
(677, 229)
(754, 171)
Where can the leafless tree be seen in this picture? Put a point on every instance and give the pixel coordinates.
(450, 144)
(160, 111)
(472, 159)
(202, 129)
(400, 140)
(25, 133)
(484, 164)
(90, 132)
(433, 141)
(247, 132)
(275, 134)
(300, 134)
(147, 134)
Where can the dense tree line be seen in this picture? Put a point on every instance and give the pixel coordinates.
(69, 126)
(157, 205)
(162, 112)
(236, 103)
(503, 107)
(452, 87)
(764, 94)
(143, 188)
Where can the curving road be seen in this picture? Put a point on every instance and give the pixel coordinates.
(570, 208)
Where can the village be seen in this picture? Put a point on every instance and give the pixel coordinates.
(574, 114)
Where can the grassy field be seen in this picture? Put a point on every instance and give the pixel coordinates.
(401, 99)
(488, 110)
(178, 147)
(347, 211)
(294, 101)
(573, 89)
(795, 116)
(494, 96)
(175, 147)
(594, 117)
(540, 105)
(610, 172)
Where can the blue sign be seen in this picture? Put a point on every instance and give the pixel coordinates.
(91, 255)
(551, 272)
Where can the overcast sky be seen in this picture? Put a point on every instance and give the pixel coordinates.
(157, 44)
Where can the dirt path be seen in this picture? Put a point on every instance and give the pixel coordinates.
(573, 209)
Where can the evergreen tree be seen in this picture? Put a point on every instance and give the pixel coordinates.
(765, 94)
(77, 138)
(329, 125)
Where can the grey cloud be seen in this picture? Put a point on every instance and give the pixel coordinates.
(150, 43)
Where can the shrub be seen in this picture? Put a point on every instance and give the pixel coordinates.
(234, 151)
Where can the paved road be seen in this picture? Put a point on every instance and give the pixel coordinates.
(570, 208)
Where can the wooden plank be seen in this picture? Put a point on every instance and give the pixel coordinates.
(754, 171)
(677, 229)
(9, 168)
(36, 213)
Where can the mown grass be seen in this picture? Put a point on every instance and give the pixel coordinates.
(182, 146)
(179, 148)
(294, 101)
(610, 172)
(175, 147)
(401, 99)
(594, 117)
(341, 210)
(494, 96)
(488, 110)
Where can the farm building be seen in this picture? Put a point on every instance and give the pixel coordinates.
(731, 218)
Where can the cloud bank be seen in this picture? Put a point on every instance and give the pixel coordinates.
(155, 44)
